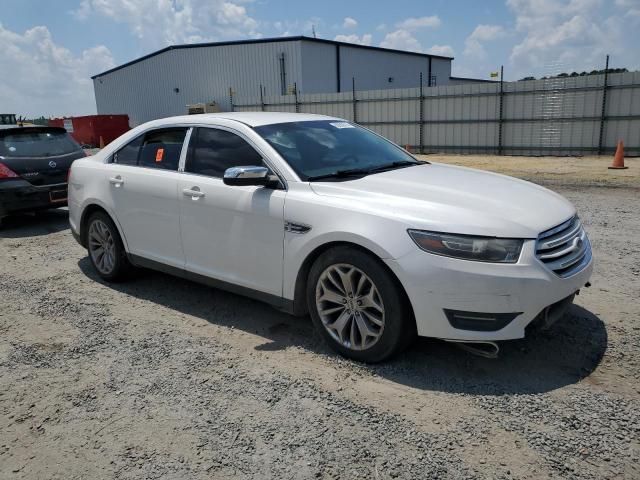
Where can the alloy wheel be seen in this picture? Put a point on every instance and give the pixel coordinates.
(350, 306)
(102, 247)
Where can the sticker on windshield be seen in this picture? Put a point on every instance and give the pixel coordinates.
(342, 125)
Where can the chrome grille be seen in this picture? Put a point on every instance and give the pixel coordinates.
(564, 249)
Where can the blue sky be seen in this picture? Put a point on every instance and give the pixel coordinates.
(50, 49)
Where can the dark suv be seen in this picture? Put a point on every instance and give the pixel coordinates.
(34, 165)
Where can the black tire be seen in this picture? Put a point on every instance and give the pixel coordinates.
(121, 267)
(397, 319)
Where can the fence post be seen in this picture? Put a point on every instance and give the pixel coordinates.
(295, 92)
(603, 112)
(500, 120)
(261, 99)
(421, 130)
(231, 98)
(353, 96)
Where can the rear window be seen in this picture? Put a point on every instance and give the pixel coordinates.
(37, 144)
(161, 148)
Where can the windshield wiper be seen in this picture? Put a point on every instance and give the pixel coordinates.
(357, 172)
(353, 172)
(389, 166)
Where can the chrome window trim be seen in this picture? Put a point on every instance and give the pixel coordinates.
(185, 148)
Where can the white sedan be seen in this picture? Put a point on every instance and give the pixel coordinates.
(318, 215)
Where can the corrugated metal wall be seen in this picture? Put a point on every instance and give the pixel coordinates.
(145, 90)
(558, 116)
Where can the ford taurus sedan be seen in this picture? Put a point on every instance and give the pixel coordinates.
(318, 215)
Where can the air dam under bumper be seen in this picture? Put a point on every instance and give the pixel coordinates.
(435, 284)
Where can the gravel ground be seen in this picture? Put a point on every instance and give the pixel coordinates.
(163, 378)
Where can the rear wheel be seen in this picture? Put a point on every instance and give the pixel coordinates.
(105, 247)
(358, 306)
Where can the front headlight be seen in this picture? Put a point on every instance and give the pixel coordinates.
(467, 247)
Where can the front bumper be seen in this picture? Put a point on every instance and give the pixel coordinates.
(20, 196)
(435, 284)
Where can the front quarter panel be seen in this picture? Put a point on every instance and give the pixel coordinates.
(336, 220)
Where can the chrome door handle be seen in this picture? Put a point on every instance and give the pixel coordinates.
(117, 180)
(188, 192)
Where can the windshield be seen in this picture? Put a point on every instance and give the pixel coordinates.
(323, 147)
(36, 144)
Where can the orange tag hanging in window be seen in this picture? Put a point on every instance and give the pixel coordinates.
(159, 155)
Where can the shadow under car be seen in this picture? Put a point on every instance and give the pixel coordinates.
(543, 361)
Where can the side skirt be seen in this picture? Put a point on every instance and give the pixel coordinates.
(279, 303)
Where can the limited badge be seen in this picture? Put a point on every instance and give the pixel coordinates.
(159, 155)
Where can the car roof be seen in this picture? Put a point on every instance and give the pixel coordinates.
(253, 119)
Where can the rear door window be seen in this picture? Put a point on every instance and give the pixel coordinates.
(128, 155)
(154, 149)
(161, 148)
(37, 144)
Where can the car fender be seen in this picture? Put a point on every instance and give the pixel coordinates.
(89, 202)
(389, 240)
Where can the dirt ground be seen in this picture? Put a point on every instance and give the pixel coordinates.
(552, 171)
(163, 378)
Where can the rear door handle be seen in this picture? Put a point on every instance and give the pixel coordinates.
(117, 180)
(193, 192)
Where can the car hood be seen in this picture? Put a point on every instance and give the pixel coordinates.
(453, 199)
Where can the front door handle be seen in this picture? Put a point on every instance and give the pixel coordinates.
(193, 192)
(117, 180)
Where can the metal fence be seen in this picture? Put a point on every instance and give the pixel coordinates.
(554, 116)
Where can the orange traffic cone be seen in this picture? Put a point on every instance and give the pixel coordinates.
(618, 159)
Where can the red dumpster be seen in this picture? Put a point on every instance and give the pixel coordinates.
(92, 129)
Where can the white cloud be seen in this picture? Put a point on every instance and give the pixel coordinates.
(481, 34)
(349, 23)
(567, 35)
(631, 7)
(353, 38)
(401, 40)
(158, 23)
(444, 50)
(422, 22)
(287, 28)
(40, 77)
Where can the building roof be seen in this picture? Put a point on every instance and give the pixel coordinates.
(474, 79)
(267, 40)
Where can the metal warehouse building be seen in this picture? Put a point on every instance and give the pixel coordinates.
(163, 83)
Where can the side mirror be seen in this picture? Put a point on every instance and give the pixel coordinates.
(243, 176)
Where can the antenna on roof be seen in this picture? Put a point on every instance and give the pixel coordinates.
(313, 31)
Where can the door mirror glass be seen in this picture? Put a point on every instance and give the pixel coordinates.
(242, 176)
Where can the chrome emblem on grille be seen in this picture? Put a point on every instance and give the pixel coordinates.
(53, 164)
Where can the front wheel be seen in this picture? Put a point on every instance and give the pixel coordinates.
(357, 305)
(105, 247)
